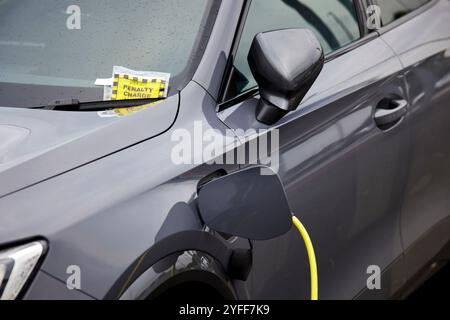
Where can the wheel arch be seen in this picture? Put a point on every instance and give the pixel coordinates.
(180, 272)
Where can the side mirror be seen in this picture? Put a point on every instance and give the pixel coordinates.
(246, 204)
(285, 64)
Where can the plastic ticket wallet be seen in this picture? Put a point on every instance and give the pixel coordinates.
(126, 87)
(128, 84)
(131, 84)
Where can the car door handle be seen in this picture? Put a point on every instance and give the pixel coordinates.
(391, 113)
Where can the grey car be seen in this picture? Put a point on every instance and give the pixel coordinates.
(355, 94)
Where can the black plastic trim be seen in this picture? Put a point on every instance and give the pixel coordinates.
(230, 63)
(366, 36)
(204, 277)
(180, 242)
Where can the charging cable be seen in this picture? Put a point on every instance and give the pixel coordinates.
(311, 258)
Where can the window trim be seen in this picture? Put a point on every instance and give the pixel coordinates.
(365, 36)
(226, 79)
(198, 48)
(407, 17)
(361, 12)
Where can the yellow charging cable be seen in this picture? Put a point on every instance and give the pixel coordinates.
(311, 258)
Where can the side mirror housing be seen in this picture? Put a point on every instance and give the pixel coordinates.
(246, 204)
(285, 63)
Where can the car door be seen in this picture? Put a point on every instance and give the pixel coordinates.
(419, 32)
(344, 175)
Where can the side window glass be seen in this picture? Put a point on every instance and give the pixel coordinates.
(392, 10)
(334, 22)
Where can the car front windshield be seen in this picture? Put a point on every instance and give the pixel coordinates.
(56, 49)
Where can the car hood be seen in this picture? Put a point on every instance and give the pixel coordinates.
(36, 145)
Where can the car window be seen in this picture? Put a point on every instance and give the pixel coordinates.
(65, 43)
(333, 21)
(392, 10)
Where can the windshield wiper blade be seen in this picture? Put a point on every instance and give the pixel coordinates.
(76, 105)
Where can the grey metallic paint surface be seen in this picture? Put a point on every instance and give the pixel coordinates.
(423, 45)
(103, 197)
(45, 287)
(89, 229)
(66, 140)
(343, 176)
(210, 71)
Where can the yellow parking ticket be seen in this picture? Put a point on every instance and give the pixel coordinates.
(128, 87)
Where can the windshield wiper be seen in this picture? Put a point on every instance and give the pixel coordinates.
(76, 105)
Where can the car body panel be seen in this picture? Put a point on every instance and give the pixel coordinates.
(211, 68)
(105, 214)
(330, 148)
(423, 46)
(101, 191)
(59, 141)
(46, 287)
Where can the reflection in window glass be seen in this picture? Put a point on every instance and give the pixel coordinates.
(333, 21)
(392, 10)
(37, 47)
